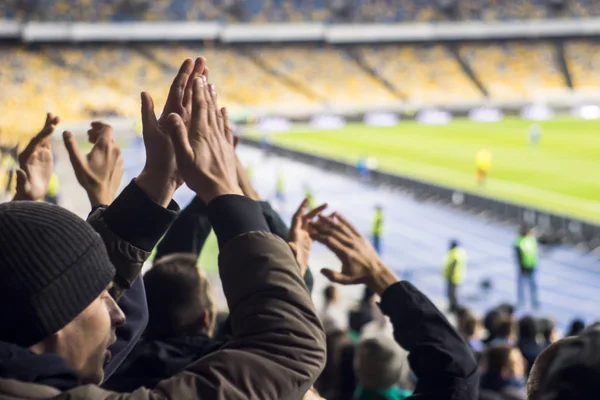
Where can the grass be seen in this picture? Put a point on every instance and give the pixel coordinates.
(561, 175)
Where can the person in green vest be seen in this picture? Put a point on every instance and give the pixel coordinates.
(526, 250)
(53, 189)
(454, 272)
(377, 228)
(280, 189)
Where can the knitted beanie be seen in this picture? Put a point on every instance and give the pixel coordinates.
(52, 266)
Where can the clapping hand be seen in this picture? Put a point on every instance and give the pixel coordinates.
(160, 177)
(101, 170)
(360, 262)
(299, 238)
(36, 163)
(204, 152)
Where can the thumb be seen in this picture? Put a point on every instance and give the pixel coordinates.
(179, 137)
(22, 180)
(74, 154)
(294, 248)
(338, 277)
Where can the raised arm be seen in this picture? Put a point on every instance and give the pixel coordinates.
(278, 345)
(438, 356)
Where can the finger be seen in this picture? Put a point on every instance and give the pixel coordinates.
(42, 136)
(340, 278)
(331, 242)
(176, 92)
(148, 114)
(199, 111)
(205, 72)
(184, 154)
(227, 128)
(301, 209)
(346, 223)
(323, 228)
(316, 211)
(212, 110)
(218, 113)
(75, 155)
(22, 179)
(198, 70)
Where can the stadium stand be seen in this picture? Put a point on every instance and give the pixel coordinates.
(583, 59)
(425, 74)
(513, 71)
(262, 11)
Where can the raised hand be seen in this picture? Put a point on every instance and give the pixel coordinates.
(204, 151)
(243, 178)
(101, 170)
(360, 262)
(160, 178)
(36, 163)
(299, 237)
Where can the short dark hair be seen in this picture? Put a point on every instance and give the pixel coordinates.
(328, 293)
(527, 328)
(467, 324)
(545, 327)
(504, 326)
(577, 326)
(178, 294)
(496, 358)
(541, 366)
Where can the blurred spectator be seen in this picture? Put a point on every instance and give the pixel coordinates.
(382, 370)
(454, 272)
(504, 331)
(328, 382)
(574, 371)
(362, 314)
(527, 342)
(180, 324)
(503, 374)
(526, 250)
(547, 329)
(470, 329)
(332, 316)
(577, 326)
(542, 365)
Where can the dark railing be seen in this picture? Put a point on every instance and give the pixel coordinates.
(553, 228)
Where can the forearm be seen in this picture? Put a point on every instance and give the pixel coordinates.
(438, 355)
(188, 233)
(278, 345)
(130, 227)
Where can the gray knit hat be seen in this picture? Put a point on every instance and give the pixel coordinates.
(52, 266)
(380, 363)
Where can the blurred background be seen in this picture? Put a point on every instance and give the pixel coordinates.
(447, 119)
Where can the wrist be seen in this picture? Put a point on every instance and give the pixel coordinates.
(209, 195)
(158, 187)
(381, 278)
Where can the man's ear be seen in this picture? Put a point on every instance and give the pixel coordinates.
(208, 321)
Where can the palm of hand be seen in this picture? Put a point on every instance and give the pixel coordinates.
(39, 171)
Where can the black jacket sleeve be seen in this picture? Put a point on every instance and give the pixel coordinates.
(438, 356)
(188, 233)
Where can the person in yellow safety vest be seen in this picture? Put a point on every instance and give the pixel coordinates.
(377, 229)
(454, 272)
(483, 162)
(53, 189)
(526, 249)
(280, 187)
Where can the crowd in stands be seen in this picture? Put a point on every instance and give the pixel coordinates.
(49, 77)
(80, 321)
(263, 11)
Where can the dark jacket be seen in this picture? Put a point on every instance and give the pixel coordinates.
(191, 228)
(152, 361)
(492, 387)
(278, 345)
(441, 360)
(530, 350)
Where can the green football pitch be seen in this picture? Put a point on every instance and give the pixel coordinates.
(561, 174)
